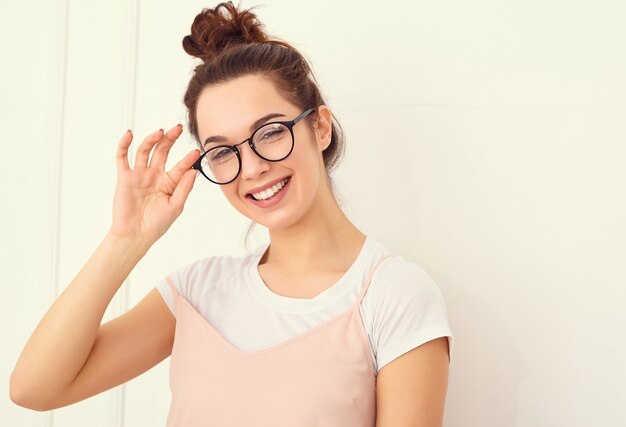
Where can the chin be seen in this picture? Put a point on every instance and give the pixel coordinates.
(283, 217)
(279, 219)
(275, 220)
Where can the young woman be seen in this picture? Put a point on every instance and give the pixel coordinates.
(321, 326)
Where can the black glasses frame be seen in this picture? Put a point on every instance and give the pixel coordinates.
(289, 124)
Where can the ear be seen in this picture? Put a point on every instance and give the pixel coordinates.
(323, 127)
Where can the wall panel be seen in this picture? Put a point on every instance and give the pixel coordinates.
(485, 142)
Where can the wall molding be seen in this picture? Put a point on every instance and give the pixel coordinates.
(57, 104)
(128, 119)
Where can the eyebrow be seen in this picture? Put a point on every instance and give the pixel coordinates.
(253, 127)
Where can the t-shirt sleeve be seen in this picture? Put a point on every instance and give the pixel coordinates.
(166, 293)
(410, 310)
(183, 279)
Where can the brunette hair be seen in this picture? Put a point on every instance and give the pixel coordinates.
(232, 43)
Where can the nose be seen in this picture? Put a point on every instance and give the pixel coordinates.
(251, 164)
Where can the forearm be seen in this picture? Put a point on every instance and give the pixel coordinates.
(63, 339)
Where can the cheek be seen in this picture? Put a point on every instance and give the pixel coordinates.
(305, 151)
(230, 192)
(306, 166)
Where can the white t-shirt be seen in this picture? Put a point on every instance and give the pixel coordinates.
(402, 309)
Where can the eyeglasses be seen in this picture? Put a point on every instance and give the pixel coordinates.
(273, 142)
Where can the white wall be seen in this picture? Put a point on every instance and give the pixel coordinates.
(486, 142)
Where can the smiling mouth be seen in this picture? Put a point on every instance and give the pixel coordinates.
(270, 192)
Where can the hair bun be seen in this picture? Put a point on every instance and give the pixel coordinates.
(215, 29)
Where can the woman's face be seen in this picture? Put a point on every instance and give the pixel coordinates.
(229, 110)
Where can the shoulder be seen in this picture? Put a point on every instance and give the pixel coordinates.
(403, 308)
(192, 281)
(399, 278)
(207, 270)
(211, 266)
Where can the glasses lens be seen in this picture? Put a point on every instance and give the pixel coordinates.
(273, 141)
(220, 163)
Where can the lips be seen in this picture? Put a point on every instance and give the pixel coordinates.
(273, 201)
(266, 186)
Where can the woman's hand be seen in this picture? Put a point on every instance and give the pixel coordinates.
(71, 355)
(147, 198)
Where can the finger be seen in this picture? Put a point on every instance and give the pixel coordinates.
(143, 152)
(161, 151)
(182, 190)
(122, 151)
(184, 165)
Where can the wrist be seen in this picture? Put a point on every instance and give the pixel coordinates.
(128, 244)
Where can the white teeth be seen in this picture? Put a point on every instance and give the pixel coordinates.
(266, 194)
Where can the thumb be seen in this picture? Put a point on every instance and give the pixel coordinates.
(182, 190)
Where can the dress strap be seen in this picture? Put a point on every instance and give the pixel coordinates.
(174, 295)
(172, 287)
(369, 279)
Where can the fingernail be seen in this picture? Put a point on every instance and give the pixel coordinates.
(179, 125)
(128, 131)
(160, 130)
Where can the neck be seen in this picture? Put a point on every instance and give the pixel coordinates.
(324, 239)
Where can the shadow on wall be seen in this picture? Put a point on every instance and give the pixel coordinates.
(486, 366)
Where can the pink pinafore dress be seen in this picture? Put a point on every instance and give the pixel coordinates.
(323, 377)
